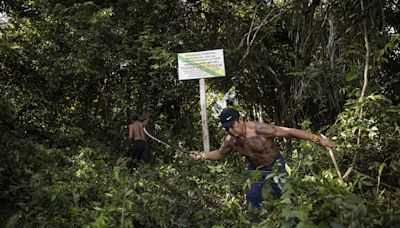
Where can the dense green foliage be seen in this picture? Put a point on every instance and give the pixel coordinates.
(71, 72)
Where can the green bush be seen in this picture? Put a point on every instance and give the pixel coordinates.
(84, 185)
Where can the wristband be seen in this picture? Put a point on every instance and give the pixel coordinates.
(203, 156)
(315, 138)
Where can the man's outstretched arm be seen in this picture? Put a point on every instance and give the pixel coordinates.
(211, 155)
(278, 131)
(214, 155)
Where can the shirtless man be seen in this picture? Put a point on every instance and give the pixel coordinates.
(255, 141)
(137, 147)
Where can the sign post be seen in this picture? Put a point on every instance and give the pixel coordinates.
(201, 65)
(203, 112)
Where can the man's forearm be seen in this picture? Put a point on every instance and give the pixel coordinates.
(212, 155)
(300, 134)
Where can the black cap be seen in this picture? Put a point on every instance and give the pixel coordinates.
(228, 116)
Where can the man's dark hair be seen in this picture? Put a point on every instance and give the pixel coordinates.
(134, 116)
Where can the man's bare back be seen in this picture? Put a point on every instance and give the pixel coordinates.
(137, 146)
(136, 131)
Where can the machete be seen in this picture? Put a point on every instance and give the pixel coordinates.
(178, 148)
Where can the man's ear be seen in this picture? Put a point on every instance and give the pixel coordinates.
(241, 119)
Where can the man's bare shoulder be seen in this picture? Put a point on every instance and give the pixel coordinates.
(135, 123)
(251, 124)
(265, 129)
(228, 139)
(227, 145)
(258, 125)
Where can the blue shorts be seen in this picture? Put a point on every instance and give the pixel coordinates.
(254, 195)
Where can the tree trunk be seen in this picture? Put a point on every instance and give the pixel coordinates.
(367, 49)
(331, 47)
(367, 54)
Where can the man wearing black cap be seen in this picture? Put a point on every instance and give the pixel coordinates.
(255, 141)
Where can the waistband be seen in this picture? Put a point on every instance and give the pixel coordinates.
(137, 140)
(270, 166)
